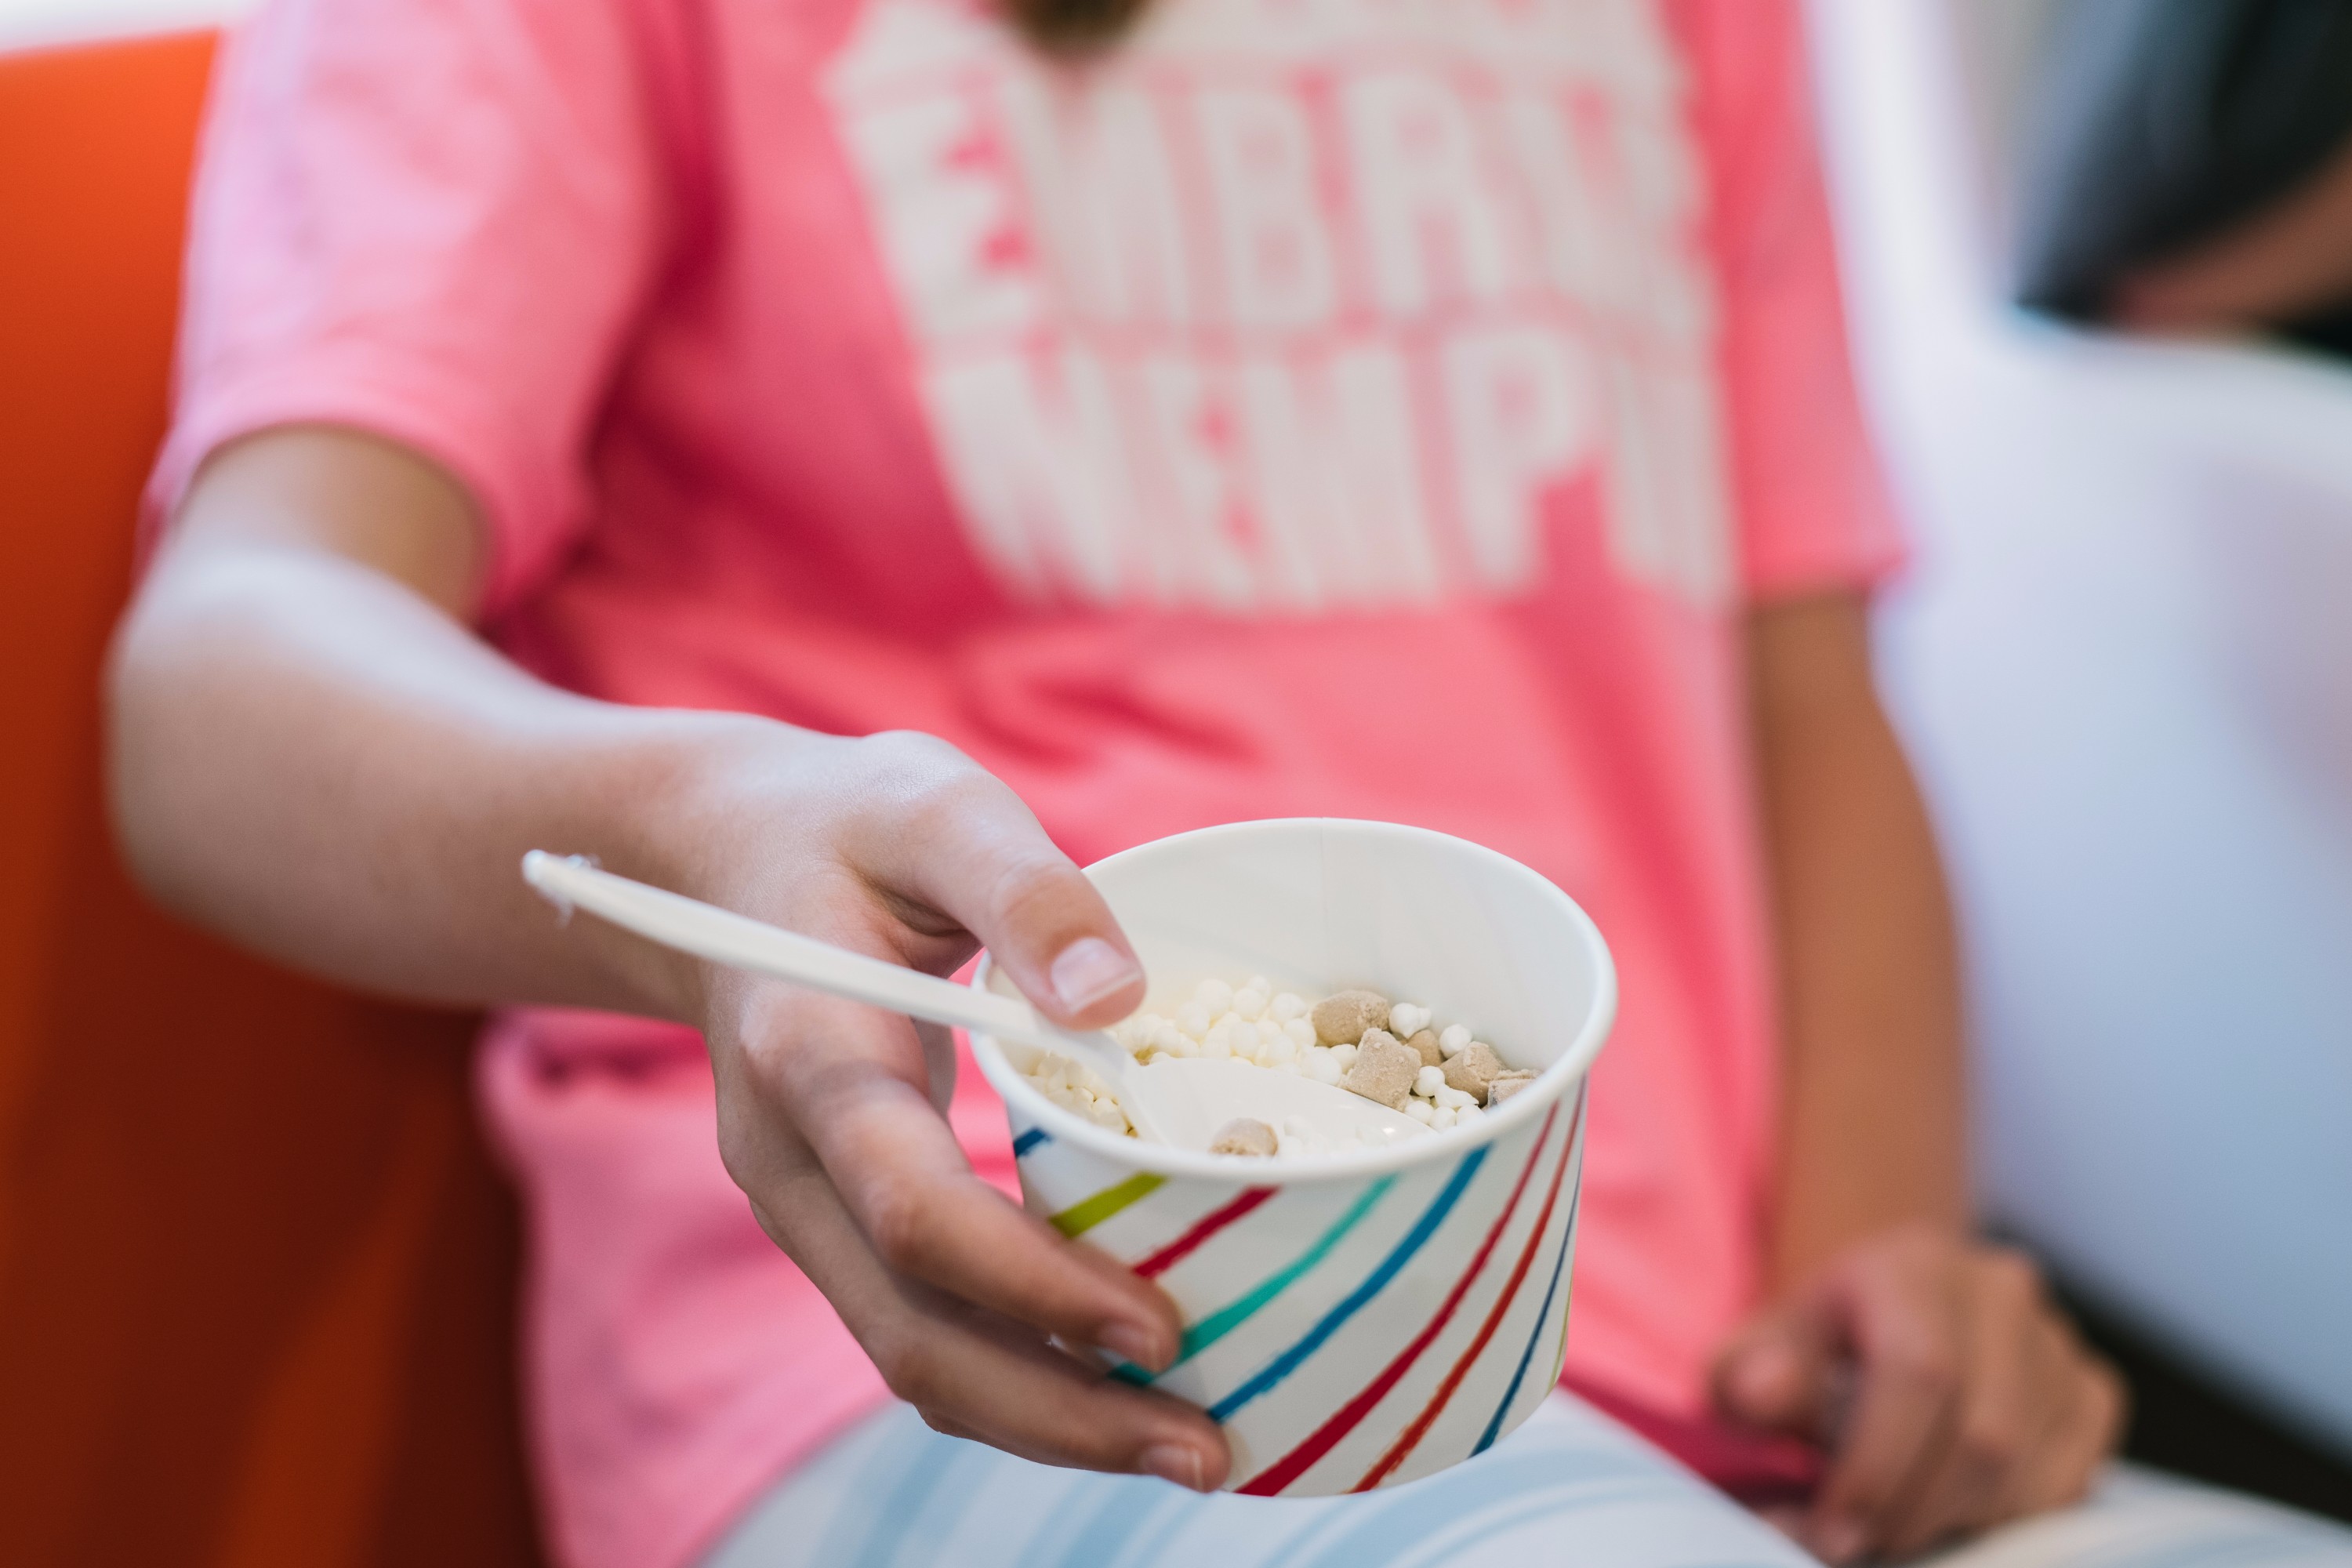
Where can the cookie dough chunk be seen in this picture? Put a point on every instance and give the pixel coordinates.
(1505, 1085)
(1425, 1042)
(1245, 1135)
(1341, 1019)
(1383, 1069)
(1473, 1067)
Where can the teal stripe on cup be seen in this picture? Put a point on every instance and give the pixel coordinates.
(1285, 1363)
(1200, 1336)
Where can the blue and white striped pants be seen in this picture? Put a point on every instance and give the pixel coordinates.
(1569, 1487)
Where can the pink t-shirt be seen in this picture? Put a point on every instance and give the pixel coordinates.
(1376, 408)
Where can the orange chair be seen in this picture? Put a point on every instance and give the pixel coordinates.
(257, 1277)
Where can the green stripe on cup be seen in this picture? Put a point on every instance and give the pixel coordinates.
(1223, 1321)
(1088, 1212)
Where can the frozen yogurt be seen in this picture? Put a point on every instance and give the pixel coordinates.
(1393, 1054)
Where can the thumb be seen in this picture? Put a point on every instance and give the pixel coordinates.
(1778, 1371)
(972, 851)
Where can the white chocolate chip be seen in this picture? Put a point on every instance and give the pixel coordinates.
(1453, 1037)
(1300, 1137)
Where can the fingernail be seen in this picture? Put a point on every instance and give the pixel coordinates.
(1091, 969)
(1840, 1539)
(1134, 1343)
(1174, 1462)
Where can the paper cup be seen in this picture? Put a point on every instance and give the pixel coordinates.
(1360, 1320)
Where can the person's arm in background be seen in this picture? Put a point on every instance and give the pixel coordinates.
(311, 754)
(1952, 1394)
(2289, 261)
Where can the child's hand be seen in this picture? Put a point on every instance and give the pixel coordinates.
(1952, 1394)
(829, 1112)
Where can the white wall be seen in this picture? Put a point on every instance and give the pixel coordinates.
(2125, 664)
(32, 22)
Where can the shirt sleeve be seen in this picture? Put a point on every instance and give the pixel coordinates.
(1811, 501)
(432, 220)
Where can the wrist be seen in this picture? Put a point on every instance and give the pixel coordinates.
(689, 802)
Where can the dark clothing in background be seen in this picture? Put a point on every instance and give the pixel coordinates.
(2157, 124)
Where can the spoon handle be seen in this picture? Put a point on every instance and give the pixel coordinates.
(742, 943)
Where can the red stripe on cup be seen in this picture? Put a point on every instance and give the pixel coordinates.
(1270, 1481)
(1185, 1246)
(1412, 1434)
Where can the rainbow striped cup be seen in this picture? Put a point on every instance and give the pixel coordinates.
(1360, 1320)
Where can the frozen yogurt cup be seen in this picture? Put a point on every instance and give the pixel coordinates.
(1352, 1321)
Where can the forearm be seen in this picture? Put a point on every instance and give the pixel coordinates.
(312, 755)
(312, 758)
(1873, 1112)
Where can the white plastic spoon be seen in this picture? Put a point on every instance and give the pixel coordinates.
(740, 943)
(1179, 1102)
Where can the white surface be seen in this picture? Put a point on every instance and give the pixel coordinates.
(2125, 667)
(26, 24)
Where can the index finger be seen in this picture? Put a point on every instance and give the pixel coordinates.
(852, 1083)
(1905, 1329)
(974, 1374)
